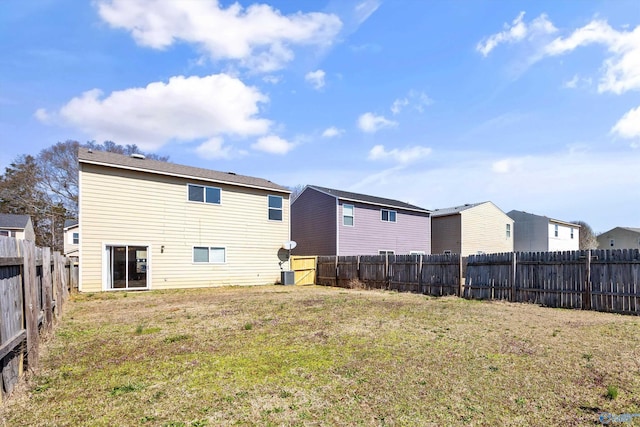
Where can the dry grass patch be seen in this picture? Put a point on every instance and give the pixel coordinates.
(325, 356)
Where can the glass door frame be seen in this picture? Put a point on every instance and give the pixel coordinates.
(107, 266)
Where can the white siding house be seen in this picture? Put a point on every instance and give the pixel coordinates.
(537, 233)
(146, 224)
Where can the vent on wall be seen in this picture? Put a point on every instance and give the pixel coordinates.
(138, 156)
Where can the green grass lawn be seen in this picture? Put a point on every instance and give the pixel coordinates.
(326, 356)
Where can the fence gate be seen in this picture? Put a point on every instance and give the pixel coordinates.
(305, 269)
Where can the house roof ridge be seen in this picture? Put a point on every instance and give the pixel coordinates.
(368, 199)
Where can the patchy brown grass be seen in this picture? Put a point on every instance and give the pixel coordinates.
(326, 356)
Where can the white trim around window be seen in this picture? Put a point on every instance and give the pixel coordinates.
(275, 207)
(387, 215)
(386, 252)
(209, 254)
(197, 193)
(348, 215)
(5, 233)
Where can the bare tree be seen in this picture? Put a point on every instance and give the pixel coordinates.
(295, 191)
(587, 238)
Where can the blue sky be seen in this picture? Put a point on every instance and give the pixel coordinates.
(533, 105)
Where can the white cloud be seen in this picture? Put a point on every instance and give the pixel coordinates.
(621, 68)
(573, 83)
(629, 125)
(365, 9)
(271, 79)
(259, 36)
(214, 149)
(370, 123)
(332, 132)
(509, 165)
(43, 116)
(398, 105)
(517, 31)
(183, 109)
(273, 144)
(416, 100)
(407, 155)
(316, 79)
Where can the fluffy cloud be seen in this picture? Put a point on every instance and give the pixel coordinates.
(214, 148)
(315, 78)
(364, 9)
(183, 109)
(332, 132)
(273, 144)
(629, 125)
(621, 68)
(407, 155)
(259, 37)
(398, 105)
(517, 31)
(417, 100)
(370, 123)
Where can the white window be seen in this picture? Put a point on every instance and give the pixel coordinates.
(508, 230)
(76, 238)
(385, 252)
(347, 215)
(417, 253)
(209, 254)
(612, 243)
(6, 233)
(555, 230)
(202, 194)
(275, 208)
(572, 233)
(387, 215)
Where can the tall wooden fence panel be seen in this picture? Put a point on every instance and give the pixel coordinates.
(404, 273)
(441, 275)
(374, 271)
(489, 276)
(27, 283)
(326, 271)
(615, 281)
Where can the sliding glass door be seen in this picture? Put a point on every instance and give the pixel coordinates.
(126, 266)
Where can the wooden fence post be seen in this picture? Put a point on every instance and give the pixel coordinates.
(513, 277)
(586, 300)
(337, 274)
(47, 287)
(30, 302)
(461, 279)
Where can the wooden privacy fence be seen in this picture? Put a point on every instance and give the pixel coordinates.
(33, 286)
(602, 280)
(428, 274)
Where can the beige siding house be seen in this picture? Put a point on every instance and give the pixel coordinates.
(620, 238)
(471, 229)
(17, 226)
(146, 224)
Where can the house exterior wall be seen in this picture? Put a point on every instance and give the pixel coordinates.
(531, 232)
(70, 249)
(369, 234)
(446, 232)
(313, 223)
(622, 239)
(119, 206)
(564, 241)
(484, 229)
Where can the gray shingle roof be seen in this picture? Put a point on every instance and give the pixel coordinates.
(70, 223)
(172, 169)
(636, 230)
(13, 221)
(363, 198)
(455, 209)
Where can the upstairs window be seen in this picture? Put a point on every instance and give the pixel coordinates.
(275, 208)
(555, 230)
(6, 233)
(387, 215)
(76, 238)
(508, 230)
(203, 194)
(572, 233)
(612, 243)
(347, 215)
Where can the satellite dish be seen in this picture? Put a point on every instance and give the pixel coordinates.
(289, 245)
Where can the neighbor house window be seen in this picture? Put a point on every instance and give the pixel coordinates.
(211, 255)
(6, 233)
(447, 252)
(555, 230)
(572, 233)
(508, 230)
(203, 194)
(275, 208)
(76, 238)
(387, 215)
(384, 252)
(612, 243)
(347, 215)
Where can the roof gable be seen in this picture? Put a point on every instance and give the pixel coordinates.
(364, 198)
(139, 163)
(13, 221)
(456, 209)
(514, 212)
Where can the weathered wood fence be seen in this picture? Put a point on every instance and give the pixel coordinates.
(428, 274)
(34, 284)
(602, 280)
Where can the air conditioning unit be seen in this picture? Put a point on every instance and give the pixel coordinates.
(287, 277)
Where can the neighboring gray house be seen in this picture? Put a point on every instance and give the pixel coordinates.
(71, 238)
(18, 226)
(325, 221)
(471, 229)
(620, 238)
(537, 233)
